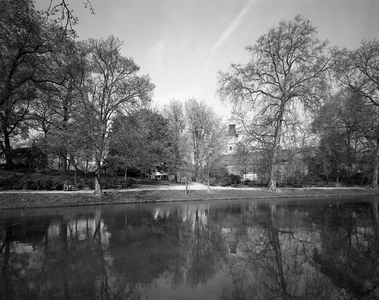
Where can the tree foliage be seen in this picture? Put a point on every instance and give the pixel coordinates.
(29, 48)
(337, 124)
(110, 85)
(85, 103)
(358, 71)
(140, 140)
(175, 115)
(204, 132)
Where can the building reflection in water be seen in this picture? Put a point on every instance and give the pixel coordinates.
(215, 250)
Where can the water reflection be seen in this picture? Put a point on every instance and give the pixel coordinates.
(214, 250)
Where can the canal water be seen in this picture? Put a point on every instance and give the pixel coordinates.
(282, 249)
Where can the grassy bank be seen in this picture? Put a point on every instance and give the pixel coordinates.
(33, 199)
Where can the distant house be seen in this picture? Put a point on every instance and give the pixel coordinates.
(236, 163)
(253, 165)
(159, 175)
(30, 157)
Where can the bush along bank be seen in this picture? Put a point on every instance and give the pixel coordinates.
(50, 182)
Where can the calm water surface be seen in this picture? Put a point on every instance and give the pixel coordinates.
(287, 249)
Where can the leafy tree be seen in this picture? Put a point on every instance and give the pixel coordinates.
(205, 136)
(369, 132)
(337, 124)
(56, 112)
(111, 85)
(358, 70)
(285, 73)
(174, 113)
(125, 143)
(348, 128)
(140, 140)
(28, 44)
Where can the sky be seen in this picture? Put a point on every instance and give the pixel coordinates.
(183, 44)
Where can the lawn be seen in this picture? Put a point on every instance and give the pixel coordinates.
(34, 199)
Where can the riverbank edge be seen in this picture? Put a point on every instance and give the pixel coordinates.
(36, 199)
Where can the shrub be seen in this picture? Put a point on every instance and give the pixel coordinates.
(235, 179)
(7, 183)
(114, 182)
(225, 182)
(256, 183)
(35, 181)
(130, 182)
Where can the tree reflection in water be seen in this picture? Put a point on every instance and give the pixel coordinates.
(349, 253)
(266, 250)
(327, 252)
(276, 259)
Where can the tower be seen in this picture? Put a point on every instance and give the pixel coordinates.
(231, 146)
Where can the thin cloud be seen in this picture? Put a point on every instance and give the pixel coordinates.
(237, 20)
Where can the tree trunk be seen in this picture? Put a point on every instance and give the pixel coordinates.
(209, 189)
(7, 150)
(278, 266)
(375, 171)
(187, 183)
(325, 170)
(271, 184)
(98, 190)
(65, 165)
(197, 172)
(375, 215)
(349, 156)
(97, 183)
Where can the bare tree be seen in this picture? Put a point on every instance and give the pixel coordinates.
(59, 12)
(285, 72)
(359, 69)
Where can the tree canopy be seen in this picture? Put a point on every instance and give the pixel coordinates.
(86, 105)
(286, 70)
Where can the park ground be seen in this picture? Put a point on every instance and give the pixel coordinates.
(21, 199)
